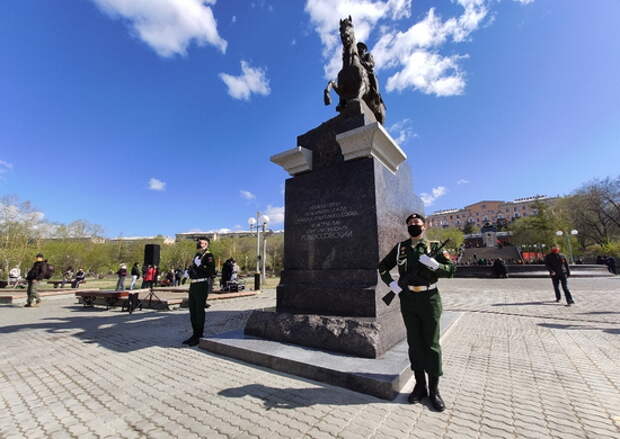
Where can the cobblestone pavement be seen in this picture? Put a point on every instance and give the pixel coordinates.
(516, 364)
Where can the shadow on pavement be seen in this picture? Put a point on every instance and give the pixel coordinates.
(123, 332)
(579, 327)
(292, 398)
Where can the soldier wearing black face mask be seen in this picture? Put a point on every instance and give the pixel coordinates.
(201, 273)
(420, 304)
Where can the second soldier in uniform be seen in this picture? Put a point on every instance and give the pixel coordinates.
(201, 273)
(420, 304)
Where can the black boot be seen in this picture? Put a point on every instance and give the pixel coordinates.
(434, 396)
(419, 390)
(189, 340)
(195, 339)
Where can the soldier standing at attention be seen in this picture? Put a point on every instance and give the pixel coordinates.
(420, 304)
(201, 273)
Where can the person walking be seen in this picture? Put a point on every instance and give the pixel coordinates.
(35, 275)
(122, 274)
(420, 304)
(135, 275)
(201, 273)
(559, 271)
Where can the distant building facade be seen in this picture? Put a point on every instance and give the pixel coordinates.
(488, 212)
(166, 239)
(214, 236)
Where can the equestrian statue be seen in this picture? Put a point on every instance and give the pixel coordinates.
(356, 79)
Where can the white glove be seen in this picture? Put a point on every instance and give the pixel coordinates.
(197, 261)
(395, 287)
(429, 262)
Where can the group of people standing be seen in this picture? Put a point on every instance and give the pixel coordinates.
(150, 276)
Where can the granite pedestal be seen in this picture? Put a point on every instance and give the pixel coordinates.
(345, 208)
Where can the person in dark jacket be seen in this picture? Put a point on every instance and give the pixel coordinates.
(34, 276)
(135, 275)
(559, 271)
(499, 268)
(122, 274)
(79, 277)
(611, 264)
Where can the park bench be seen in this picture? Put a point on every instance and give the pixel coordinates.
(58, 283)
(125, 299)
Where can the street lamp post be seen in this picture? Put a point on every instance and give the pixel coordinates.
(568, 243)
(258, 223)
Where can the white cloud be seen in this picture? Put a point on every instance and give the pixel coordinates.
(275, 214)
(156, 185)
(4, 168)
(234, 18)
(462, 181)
(325, 16)
(436, 192)
(414, 53)
(252, 80)
(401, 131)
(247, 195)
(168, 26)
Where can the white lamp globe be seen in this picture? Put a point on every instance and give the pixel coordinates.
(264, 219)
(252, 221)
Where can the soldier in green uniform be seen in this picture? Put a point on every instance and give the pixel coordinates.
(201, 273)
(419, 268)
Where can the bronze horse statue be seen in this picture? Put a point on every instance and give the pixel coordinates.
(356, 79)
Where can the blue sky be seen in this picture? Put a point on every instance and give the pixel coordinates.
(156, 117)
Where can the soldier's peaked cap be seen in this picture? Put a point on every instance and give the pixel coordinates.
(203, 238)
(415, 215)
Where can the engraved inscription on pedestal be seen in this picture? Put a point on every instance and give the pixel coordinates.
(327, 221)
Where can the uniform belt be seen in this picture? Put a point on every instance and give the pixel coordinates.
(421, 288)
(203, 279)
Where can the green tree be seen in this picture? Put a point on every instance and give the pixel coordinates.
(469, 228)
(594, 210)
(539, 228)
(455, 236)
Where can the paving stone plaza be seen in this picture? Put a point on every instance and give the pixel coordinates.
(516, 365)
